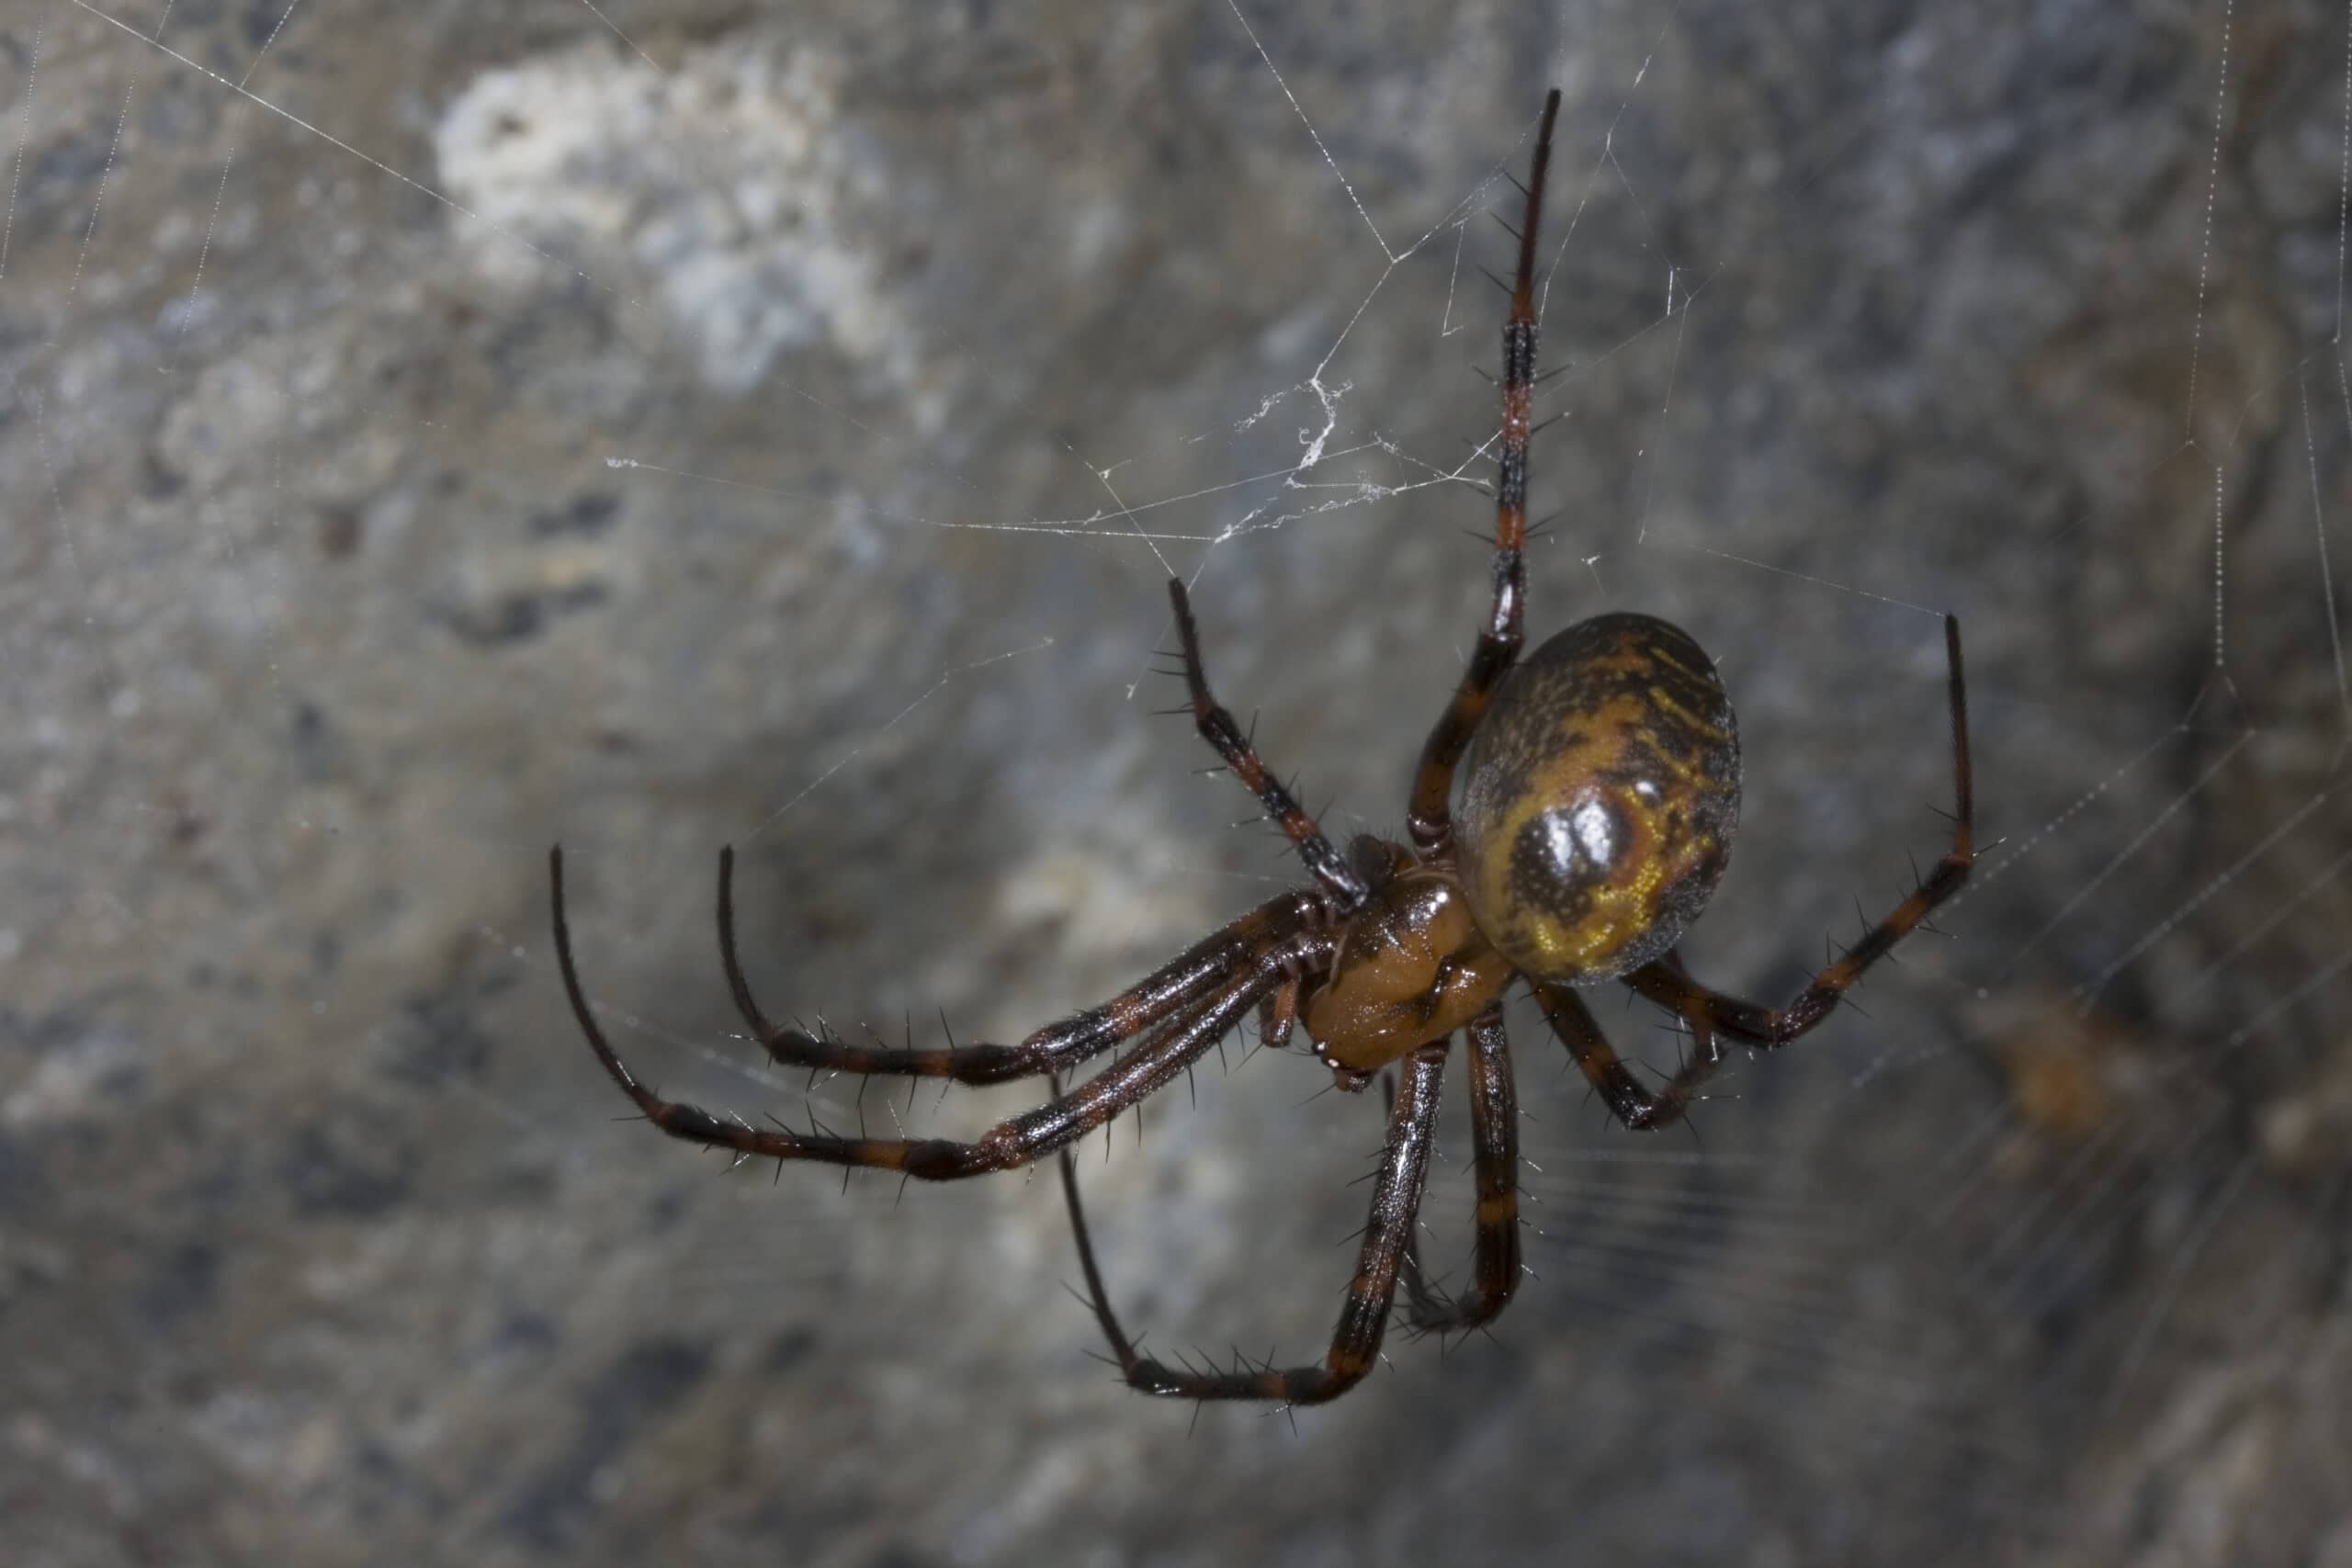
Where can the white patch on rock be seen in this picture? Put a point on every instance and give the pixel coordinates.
(723, 195)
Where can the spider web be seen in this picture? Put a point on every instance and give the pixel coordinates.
(428, 437)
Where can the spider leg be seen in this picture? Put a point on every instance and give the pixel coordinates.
(1277, 1016)
(1355, 1341)
(1494, 1129)
(1184, 979)
(1098, 1297)
(1015, 1142)
(1218, 727)
(1772, 1027)
(1428, 818)
(1628, 1099)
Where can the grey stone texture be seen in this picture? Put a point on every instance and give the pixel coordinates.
(431, 431)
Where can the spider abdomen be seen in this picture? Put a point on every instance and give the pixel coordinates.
(1604, 786)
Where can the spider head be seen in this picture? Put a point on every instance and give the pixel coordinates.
(1604, 786)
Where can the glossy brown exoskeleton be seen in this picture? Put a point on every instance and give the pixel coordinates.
(1604, 788)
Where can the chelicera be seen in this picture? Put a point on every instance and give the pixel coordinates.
(1597, 818)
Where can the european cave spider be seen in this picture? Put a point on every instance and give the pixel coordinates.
(1597, 818)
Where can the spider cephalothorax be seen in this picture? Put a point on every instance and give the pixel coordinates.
(1604, 788)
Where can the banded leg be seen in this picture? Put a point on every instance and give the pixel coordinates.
(1429, 817)
(1355, 1342)
(1772, 1027)
(1190, 975)
(1332, 869)
(1493, 1130)
(1629, 1100)
(1016, 1141)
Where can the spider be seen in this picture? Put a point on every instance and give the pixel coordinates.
(1603, 787)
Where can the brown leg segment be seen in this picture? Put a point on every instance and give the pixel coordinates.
(1217, 727)
(1494, 1129)
(1355, 1342)
(1772, 1027)
(1628, 1099)
(1429, 817)
(1277, 1016)
(1192, 974)
(1180, 1041)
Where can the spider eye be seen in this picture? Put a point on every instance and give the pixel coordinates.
(1604, 786)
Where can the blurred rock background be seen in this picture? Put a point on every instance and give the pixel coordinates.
(427, 433)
